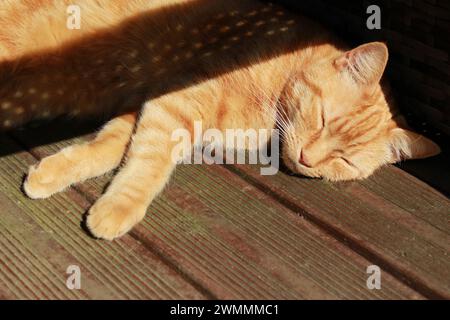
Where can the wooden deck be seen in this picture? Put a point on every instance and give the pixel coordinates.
(226, 232)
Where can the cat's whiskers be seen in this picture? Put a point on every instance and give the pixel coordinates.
(284, 125)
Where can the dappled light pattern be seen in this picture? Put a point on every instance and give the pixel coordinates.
(116, 69)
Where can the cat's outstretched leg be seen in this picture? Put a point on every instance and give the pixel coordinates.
(148, 168)
(80, 162)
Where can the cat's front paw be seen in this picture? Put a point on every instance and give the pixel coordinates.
(113, 216)
(44, 179)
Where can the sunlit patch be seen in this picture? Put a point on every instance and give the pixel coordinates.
(136, 68)
(6, 105)
(225, 47)
(290, 22)
(175, 58)
(133, 54)
(7, 123)
(241, 23)
(274, 19)
(279, 13)
(188, 55)
(198, 45)
(195, 31)
(167, 47)
(18, 94)
(150, 45)
(160, 71)
(32, 91)
(33, 106)
(225, 29)
(284, 29)
(139, 84)
(156, 58)
(179, 27)
(260, 23)
(19, 111)
(207, 54)
(270, 32)
(249, 33)
(252, 13)
(121, 84)
(46, 114)
(234, 38)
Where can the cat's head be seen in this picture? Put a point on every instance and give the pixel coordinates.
(337, 122)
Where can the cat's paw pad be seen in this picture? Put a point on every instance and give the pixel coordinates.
(42, 181)
(110, 217)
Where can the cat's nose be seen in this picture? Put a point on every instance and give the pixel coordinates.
(303, 159)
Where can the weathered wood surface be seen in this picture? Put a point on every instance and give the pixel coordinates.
(405, 231)
(226, 232)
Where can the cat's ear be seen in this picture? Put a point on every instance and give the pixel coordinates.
(406, 145)
(364, 64)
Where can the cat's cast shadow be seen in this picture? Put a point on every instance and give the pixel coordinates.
(117, 69)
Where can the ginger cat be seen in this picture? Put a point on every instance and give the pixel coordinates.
(228, 63)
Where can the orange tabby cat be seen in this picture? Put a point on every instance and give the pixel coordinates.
(229, 64)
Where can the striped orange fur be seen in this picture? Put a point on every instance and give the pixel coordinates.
(337, 121)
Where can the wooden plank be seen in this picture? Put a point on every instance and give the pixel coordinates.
(40, 239)
(412, 195)
(237, 242)
(407, 244)
(25, 273)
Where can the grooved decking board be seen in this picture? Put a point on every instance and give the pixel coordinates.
(30, 274)
(412, 195)
(237, 242)
(390, 227)
(40, 239)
